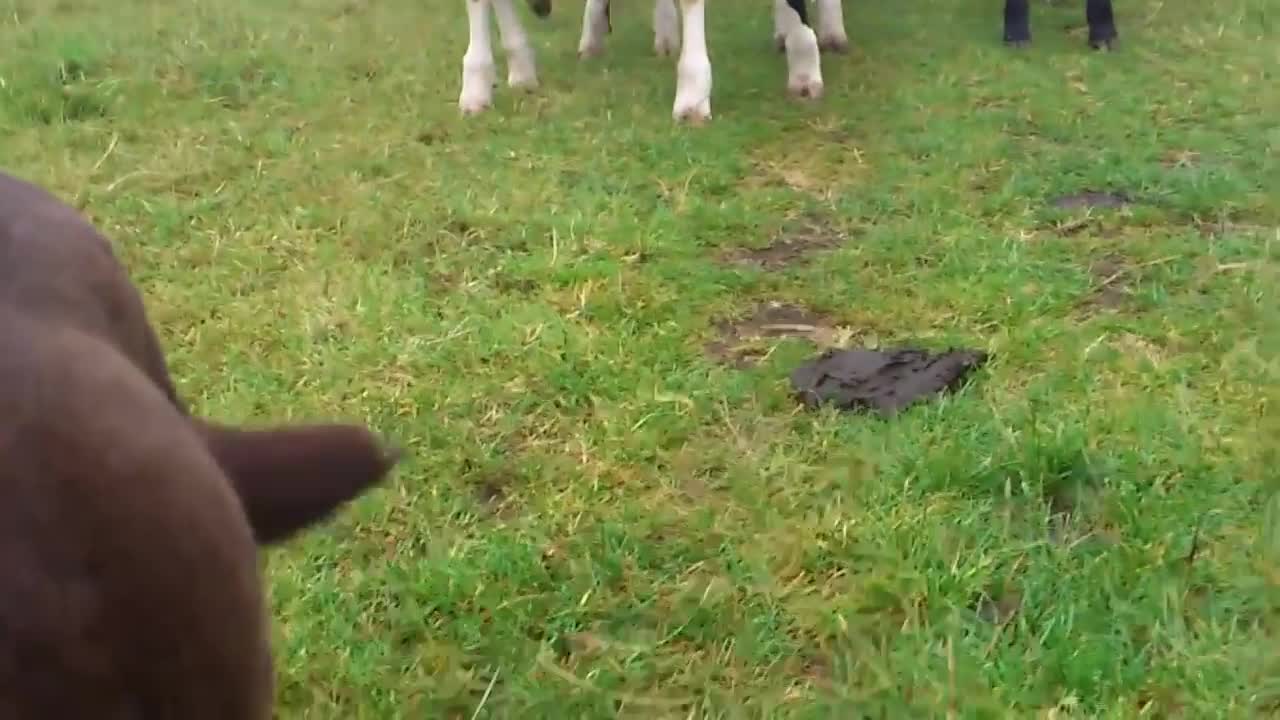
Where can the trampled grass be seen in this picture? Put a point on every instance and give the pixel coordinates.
(602, 519)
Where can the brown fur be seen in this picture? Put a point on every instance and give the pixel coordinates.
(129, 584)
(291, 477)
(57, 267)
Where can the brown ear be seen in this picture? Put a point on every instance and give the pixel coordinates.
(289, 478)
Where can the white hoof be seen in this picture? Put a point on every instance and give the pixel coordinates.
(477, 86)
(665, 46)
(522, 73)
(693, 114)
(595, 25)
(804, 64)
(804, 87)
(693, 92)
(831, 34)
(835, 42)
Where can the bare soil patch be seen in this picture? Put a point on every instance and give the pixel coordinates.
(1001, 608)
(492, 491)
(743, 341)
(1092, 200)
(1111, 275)
(794, 244)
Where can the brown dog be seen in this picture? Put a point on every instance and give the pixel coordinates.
(129, 584)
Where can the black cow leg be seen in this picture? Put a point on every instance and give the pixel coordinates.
(1102, 24)
(1017, 22)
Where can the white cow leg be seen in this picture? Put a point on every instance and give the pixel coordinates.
(595, 25)
(781, 17)
(478, 71)
(666, 27)
(693, 71)
(831, 33)
(804, 62)
(522, 73)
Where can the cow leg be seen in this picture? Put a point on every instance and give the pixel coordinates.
(1017, 22)
(693, 70)
(782, 11)
(666, 27)
(831, 33)
(1102, 24)
(595, 25)
(478, 70)
(522, 73)
(804, 62)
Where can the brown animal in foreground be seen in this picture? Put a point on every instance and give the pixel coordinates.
(129, 584)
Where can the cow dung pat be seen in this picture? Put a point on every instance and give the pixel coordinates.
(884, 381)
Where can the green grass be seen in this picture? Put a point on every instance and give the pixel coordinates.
(598, 520)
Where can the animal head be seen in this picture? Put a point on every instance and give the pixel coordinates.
(58, 270)
(128, 527)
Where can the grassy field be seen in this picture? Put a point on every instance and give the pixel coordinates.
(614, 506)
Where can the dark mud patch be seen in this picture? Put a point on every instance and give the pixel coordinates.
(431, 137)
(1000, 606)
(492, 491)
(1111, 289)
(794, 244)
(744, 341)
(1074, 213)
(1092, 200)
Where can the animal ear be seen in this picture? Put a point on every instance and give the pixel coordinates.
(290, 478)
